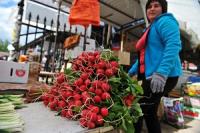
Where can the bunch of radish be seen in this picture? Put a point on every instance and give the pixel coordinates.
(92, 90)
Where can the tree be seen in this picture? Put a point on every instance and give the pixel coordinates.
(4, 45)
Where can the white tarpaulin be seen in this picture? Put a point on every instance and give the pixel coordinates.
(188, 14)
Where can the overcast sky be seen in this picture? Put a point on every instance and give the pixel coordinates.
(187, 11)
(6, 24)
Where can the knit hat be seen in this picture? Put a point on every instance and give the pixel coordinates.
(163, 4)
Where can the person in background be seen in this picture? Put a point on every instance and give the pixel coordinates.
(158, 64)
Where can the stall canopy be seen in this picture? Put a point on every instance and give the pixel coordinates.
(123, 14)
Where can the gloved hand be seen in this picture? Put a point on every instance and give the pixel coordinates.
(158, 83)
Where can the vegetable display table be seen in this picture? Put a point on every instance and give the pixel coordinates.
(39, 119)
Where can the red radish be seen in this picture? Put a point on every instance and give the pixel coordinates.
(87, 82)
(95, 83)
(91, 89)
(74, 67)
(60, 79)
(93, 117)
(82, 88)
(131, 97)
(52, 106)
(44, 96)
(78, 103)
(97, 57)
(54, 91)
(84, 112)
(98, 92)
(88, 115)
(91, 58)
(84, 76)
(101, 64)
(105, 86)
(95, 109)
(46, 102)
(128, 102)
(90, 106)
(77, 96)
(104, 112)
(105, 96)
(100, 72)
(90, 125)
(97, 99)
(108, 65)
(114, 69)
(51, 98)
(70, 103)
(69, 88)
(99, 120)
(63, 113)
(114, 64)
(69, 113)
(85, 94)
(67, 94)
(109, 72)
(62, 104)
(96, 53)
(83, 122)
(79, 82)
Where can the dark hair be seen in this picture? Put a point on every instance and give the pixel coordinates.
(163, 4)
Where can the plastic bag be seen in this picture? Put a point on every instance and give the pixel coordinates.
(71, 41)
(85, 12)
(173, 111)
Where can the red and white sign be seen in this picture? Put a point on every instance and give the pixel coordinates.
(13, 72)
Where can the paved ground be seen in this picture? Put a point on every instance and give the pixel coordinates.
(39, 119)
(191, 126)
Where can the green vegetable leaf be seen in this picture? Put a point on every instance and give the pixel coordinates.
(115, 80)
(117, 108)
(130, 127)
(138, 88)
(124, 125)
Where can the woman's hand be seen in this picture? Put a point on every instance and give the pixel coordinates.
(158, 83)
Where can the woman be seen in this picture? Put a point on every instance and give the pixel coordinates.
(158, 64)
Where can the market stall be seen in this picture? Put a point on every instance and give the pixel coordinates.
(95, 94)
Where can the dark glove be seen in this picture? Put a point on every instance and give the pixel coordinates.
(158, 83)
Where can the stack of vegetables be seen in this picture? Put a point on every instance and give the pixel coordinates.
(10, 120)
(16, 100)
(97, 92)
(34, 92)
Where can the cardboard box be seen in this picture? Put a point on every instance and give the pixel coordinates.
(124, 57)
(191, 112)
(13, 72)
(192, 101)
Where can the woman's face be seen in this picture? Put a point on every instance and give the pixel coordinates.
(153, 10)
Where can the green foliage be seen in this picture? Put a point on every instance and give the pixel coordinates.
(3, 45)
(122, 116)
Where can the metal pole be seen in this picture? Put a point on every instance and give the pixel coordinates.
(17, 29)
(56, 36)
(27, 33)
(85, 39)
